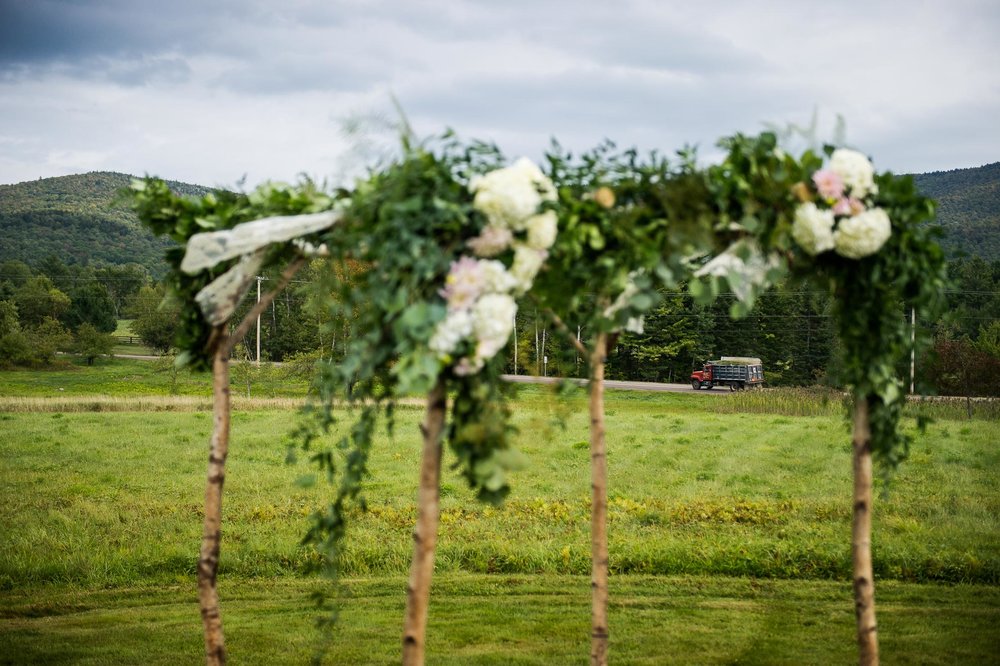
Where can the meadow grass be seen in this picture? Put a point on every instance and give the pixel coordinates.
(483, 619)
(132, 378)
(819, 401)
(115, 499)
(140, 403)
(729, 532)
(122, 377)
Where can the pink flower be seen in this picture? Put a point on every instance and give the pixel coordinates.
(466, 367)
(464, 284)
(829, 184)
(848, 206)
(491, 241)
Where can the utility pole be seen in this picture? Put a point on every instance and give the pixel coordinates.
(913, 346)
(515, 345)
(259, 278)
(578, 330)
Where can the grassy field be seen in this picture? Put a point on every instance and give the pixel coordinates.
(729, 535)
(535, 619)
(131, 378)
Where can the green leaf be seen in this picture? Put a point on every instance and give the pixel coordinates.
(642, 301)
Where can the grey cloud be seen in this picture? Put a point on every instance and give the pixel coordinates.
(952, 138)
(653, 73)
(341, 58)
(41, 31)
(129, 73)
(625, 108)
(294, 75)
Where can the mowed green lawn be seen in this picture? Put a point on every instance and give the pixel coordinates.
(729, 539)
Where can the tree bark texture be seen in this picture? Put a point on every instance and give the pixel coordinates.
(418, 590)
(599, 507)
(208, 560)
(861, 553)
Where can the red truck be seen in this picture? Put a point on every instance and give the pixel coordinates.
(736, 372)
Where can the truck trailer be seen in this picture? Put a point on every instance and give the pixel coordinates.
(736, 372)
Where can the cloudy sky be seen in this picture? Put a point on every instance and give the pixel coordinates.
(210, 91)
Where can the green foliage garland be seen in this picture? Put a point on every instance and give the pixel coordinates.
(180, 218)
(761, 193)
(408, 228)
(627, 225)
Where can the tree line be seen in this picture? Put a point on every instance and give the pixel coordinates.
(54, 306)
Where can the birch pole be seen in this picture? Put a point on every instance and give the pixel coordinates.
(211, 538)
(208, 559)
(599, 487)
(599, 507)
(861, 554)
(418, 589)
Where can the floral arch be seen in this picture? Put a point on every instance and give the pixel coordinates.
(450, 239)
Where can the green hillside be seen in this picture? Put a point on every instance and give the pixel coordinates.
(968, 208)
(81, 219)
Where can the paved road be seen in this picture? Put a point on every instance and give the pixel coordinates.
(528, 379)
(615, 384)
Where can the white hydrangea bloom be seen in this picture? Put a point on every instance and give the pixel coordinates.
(527, 262)
(450, 331)
(509, 196)
(530, 170)
(496, 278)
(862, 235)
(542, 230)
(478, 290)
(855, 170)
(492, 323)
(813, 228)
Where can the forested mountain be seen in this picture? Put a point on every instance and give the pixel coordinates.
(80, 219)
(968, 208)
(83, 219)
